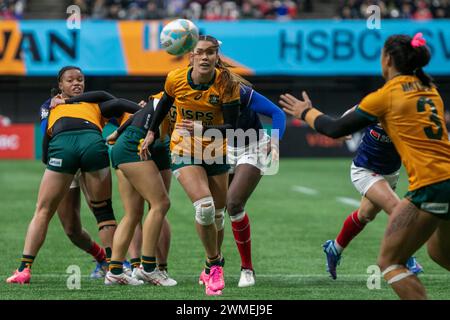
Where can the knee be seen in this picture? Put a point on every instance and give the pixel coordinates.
(165, 205)
(104, 213)
(366, 218)
(234, 205)
(205, 211)
(435, 254)
(162, 206)
(42, 212)
(71, 230)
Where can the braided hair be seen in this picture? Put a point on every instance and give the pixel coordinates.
(409, 59)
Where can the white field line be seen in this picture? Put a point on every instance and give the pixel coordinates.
(349, 201)
(305, 190)
(312, 192)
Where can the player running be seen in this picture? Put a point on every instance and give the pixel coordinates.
(411, 110)
(374, 173)
(206, 96)
(247, 155)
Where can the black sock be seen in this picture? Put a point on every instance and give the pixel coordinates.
(211, 262)
(149, 263)
(108, 254)
(135, 263)
(116, 267)
(26, 262)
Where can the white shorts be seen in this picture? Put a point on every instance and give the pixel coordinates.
(253, 154)
(76, 180)
(363, 178)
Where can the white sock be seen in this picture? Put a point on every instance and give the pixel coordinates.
(338, 247)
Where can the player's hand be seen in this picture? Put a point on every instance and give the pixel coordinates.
(144, 150)
(190, 126)
(142, 103)
(345, 138)
(293, 106)
(275, 152)
(57, 100)
(111, 139)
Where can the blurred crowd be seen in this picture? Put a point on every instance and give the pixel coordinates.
(396, 9)
(12, 9)
(193, 9)
(240, 9)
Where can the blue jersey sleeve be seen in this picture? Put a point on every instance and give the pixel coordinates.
(44, 114)
(246, 93)
(262, 105)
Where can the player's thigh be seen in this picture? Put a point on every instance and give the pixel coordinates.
(439, 243)
(166, 175)
(246, 178)
(407, 230)
(54, 185)
(382, 196)
(145, 178)
(98, 184)
(194, 181)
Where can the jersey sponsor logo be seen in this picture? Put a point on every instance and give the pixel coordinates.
(214, 99)
(380, 137)
(44, 113)
(433, 207)
(55, 162)
(197, 115)
(148, 121)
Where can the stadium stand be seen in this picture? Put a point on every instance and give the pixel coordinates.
(215, 10)
(12, 9)
(392, 9)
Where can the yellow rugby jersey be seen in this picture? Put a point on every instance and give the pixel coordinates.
(413, 117)
(203, 103)
(123, 118)
(82, 110)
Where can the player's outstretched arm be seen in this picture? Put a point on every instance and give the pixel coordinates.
(334, 128)
(260, 104)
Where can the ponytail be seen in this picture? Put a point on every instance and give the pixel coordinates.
(410, 55)
(228, 79)
(423, 77)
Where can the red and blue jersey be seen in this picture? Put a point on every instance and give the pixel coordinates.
(252, 104)
(377, 152)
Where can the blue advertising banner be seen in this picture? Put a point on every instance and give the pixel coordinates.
(96, 47)
(309, 48)
(324, 47)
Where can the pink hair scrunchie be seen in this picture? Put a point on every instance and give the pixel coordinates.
(418, 40)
